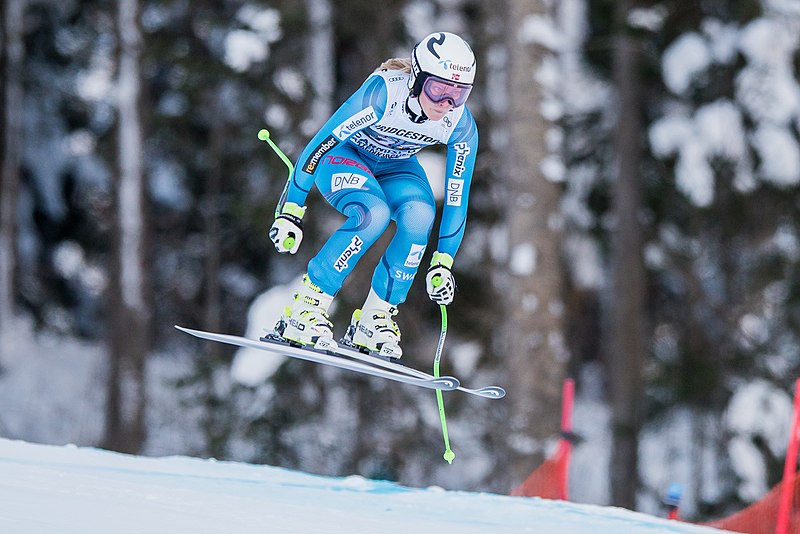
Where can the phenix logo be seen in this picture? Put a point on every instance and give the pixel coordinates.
(344, 259)
(462, 150)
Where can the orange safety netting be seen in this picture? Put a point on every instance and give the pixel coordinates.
(550, 480)
(761, 516)
(547, 481)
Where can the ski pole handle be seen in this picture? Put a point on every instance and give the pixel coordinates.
(437, 280)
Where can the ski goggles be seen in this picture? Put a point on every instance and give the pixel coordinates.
(439, 90)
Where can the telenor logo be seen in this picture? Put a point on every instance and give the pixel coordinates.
(354, 123)
(415, 256)
(449, 65)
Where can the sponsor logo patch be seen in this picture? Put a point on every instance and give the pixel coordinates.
(354, 123)
(455, 189)
(316, 156)
(366, 331)
(347, 180)
(403, 275)
(406, 134)
(449, 65)
(341, 160)
(462, 150)
(352, 249)
(415, 256)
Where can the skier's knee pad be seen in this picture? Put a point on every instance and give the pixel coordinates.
(369, 217)
(416, 218)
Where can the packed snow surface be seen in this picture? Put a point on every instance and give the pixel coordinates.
(65, 490)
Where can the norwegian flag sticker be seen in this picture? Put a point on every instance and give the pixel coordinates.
(455, 76)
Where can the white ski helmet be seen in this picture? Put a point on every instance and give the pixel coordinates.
(444, 55)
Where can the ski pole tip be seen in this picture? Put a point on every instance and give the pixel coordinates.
(263, 134)
(449, 456)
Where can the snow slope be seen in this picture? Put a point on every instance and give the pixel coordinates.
(65, 490)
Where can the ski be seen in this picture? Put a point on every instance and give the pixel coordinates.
(327, 357)
(346, 350)
(487, 392)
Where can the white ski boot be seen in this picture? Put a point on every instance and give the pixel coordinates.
(306, 320)
(372, 328)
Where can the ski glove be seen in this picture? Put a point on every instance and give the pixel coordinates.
(440, 282)
(286, 232)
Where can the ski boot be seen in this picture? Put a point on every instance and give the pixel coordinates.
(305, 322)
(373, 330)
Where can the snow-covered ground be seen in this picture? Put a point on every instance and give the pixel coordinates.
(51, 392)
(64, 490)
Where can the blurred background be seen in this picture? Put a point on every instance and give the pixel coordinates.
(633, 224)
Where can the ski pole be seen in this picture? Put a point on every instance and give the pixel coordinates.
(449, 455)
(263, 135)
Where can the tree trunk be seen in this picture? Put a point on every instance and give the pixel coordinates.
(212, 205)
(214, 423)
(532, 297)
(10, 152)
(627, 342)
(320, 61)
(130, 311)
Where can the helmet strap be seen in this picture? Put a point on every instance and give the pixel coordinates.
(418, 81)
(414, 110)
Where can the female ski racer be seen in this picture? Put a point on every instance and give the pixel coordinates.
(364, 163)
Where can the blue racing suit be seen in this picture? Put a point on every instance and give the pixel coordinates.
(364, 163)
